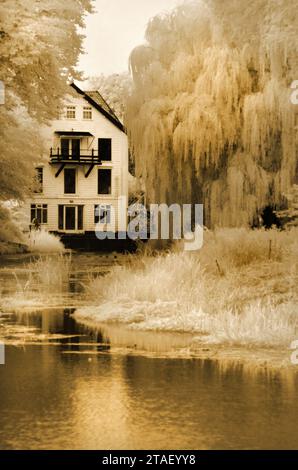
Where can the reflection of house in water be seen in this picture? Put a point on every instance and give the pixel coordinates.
(52, 321)
(76, 338)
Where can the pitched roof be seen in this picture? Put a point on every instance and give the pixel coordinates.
(95, 99)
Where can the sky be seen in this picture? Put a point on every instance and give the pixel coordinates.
(114, 30)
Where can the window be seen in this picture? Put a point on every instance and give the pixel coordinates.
(60, 112)
(102, 214)
(87, 112)
(70, 181)
(80, 217)
(39, 212)
(60, 217)
(104, 181)
(70, 217)
(105, 149)
(38, 181)
(70, 112)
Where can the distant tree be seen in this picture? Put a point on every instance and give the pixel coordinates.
(115, 89)
(39, 45)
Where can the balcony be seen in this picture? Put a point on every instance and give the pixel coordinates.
(81, 157)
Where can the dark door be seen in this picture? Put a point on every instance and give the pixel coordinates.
(65, 148)
(75, 146)
(70, 218)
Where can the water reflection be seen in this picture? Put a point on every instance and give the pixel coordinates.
(54, 400)
(67, 387)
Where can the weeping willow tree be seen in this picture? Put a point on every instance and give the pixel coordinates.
(210, 116)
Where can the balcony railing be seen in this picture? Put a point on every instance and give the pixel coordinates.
(58, 155)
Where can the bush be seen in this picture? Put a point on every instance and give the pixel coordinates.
(44, 242)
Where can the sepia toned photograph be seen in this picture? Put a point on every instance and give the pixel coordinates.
(149, 231)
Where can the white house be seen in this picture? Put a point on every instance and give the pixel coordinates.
(85, 169)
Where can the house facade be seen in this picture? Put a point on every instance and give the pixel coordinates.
(85, 171)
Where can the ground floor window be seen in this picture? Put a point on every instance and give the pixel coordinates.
(39, 214)
(102, 214)
(70, 217)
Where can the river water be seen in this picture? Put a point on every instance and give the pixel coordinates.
(63, 387)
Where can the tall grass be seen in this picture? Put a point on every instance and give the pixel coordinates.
(42, 241)
(41, 283)
(51, 272)
(241, 287)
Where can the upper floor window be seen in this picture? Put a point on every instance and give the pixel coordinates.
(105, 149)
(87, 112)
(104, 181)
(70, 112)
(70, 181)
(60, 112)
(38, 180)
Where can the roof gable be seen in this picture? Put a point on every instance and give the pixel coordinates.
(97, 101)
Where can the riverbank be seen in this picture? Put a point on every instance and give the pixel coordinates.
(161, 344)
(10, 248)
(149, 304)
(239, 290)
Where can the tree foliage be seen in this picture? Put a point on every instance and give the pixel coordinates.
(210, 116)
(115, 89)
(39, 45)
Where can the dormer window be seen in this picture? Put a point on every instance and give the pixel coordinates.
(87, 112)
(70, 112)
